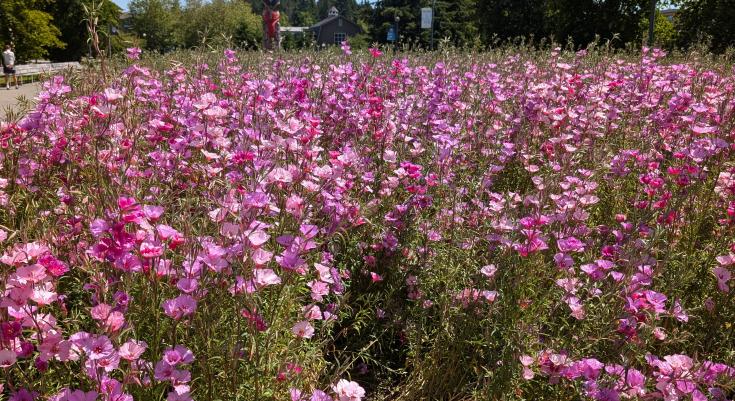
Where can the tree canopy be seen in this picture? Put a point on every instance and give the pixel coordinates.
(29, 28)
(56, 28)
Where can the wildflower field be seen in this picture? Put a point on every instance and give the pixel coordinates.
(512, 225)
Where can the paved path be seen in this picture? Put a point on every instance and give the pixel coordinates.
(9, 98)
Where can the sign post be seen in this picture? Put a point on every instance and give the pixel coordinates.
(391, 34)
(426, 17)
(427, 20)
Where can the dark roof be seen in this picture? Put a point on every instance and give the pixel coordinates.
(326, 21)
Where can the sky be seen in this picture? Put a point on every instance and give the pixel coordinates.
(122, 3)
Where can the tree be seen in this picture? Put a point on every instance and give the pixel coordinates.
(29, 28)
(219, 20)
(709, 20)
(456, 20)
(508, 19)
(664, 31)
(305, 13)
(69, 16)
(583, 20)
(158, 22)
(383, 19)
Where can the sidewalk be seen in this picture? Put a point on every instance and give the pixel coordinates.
(8, 98)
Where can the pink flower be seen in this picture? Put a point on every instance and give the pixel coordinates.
(348, 390)
(375, 52)
(318, 290)
(7, 358)
(150, 250)
(79, 395)
(265, 277)
(258, 238)
(489, 271)
(346, 48)
(178, 355)
(132, 350)
(134, 53)
(723, 276)
(303, 329)
(260, 256)
(101, 311)
(153, 213)
(179, 307)
(99, 348)
(280, 175)
(31, 274)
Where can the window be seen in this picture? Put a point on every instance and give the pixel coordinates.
(339, 37)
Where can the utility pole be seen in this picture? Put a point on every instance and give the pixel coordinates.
(651, 24)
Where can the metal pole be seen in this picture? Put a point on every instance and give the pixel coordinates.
(651, 23)
(433, 17)
(395, 42)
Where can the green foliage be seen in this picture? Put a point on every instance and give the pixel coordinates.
(584, 20)
(384, 18)
(707, 20)
(664, 31)
(69, 17)
(455, 20)
(507, 19)
(305, 13)
(33, 31)
(220, 21)
(157, 21)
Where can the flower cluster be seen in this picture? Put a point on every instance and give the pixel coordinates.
(301, 227)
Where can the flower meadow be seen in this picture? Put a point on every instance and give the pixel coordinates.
(363, 225)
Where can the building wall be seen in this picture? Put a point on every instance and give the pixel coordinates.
(326, 36)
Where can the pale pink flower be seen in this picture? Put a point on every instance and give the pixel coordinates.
(258, 238)
(303, 329)
(265, 277)
(132, 350)
(348, 390)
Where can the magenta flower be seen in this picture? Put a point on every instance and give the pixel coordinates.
(7, 358)
(375, 52)
(180, 307)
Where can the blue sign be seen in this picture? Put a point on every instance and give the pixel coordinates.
(391, 35)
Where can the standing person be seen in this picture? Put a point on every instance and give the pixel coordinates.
(9, 67)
